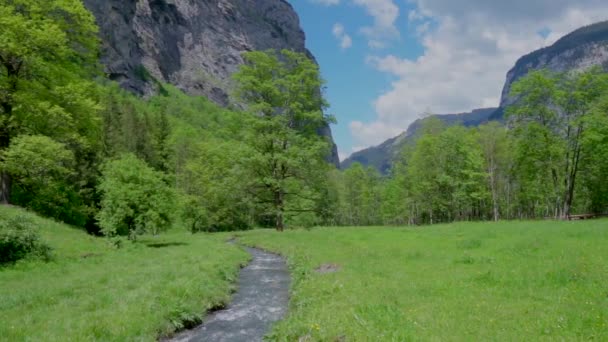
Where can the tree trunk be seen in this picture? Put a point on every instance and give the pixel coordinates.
(5, 134)
(279, 206)
(5, 141)
(5, 188)
(571, 176)
(494, 193)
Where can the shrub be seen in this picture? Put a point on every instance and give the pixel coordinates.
(135, 199)
(42, 171)
(20, 239)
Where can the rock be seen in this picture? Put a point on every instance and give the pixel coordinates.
(579, 50)
(195, 45)
(328, 268)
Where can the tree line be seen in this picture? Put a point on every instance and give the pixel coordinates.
(547, 160)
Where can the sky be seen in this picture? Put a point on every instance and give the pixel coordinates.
(387, 62)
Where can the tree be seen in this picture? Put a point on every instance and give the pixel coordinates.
(216, 197)
(43, 174)
(494, 143)
(46, 49)
(135, 199)
(283, 97)
(594, 163)
(550, 117)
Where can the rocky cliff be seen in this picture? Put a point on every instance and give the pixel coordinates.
(579, 50)
(195, 45)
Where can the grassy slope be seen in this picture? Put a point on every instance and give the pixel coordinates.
(506, 281)
(93, 292)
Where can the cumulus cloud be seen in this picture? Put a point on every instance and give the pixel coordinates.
(385, 14)
(468, 51)
(340, 33)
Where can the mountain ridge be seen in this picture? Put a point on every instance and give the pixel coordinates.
(381, 156)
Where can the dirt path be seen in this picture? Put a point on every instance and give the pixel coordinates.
(261, 300)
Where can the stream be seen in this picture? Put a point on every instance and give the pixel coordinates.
(261, 300)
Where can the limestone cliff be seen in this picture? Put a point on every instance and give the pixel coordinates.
(195, 45)
(579, 50)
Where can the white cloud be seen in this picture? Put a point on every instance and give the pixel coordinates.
(346, 42)
(385, 14)
(340, 33)
(327, 2)
(468, 50)
(383, 30)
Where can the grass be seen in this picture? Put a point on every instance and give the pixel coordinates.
(467, 281)
(91, 291)
(507, 281)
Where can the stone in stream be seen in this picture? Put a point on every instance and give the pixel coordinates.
(261, 300)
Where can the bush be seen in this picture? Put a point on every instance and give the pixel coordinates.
(19, 239)
(42, 171)
(135, 199)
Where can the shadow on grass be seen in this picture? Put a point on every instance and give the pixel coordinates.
(164, 244)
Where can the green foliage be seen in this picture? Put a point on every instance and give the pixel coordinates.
(135, 199)
(286, 155)
(549, 161)
(216, 197)
(20, 239)
(43, 174)
(360, 196)
(549, 122)
(48, 54)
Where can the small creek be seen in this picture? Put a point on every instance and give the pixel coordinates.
(261, 299)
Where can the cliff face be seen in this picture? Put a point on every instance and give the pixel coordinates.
(195, 45)
(579, 50)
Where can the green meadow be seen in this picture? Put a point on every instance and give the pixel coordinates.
(511, 281)
(459, 282)
(91, 291)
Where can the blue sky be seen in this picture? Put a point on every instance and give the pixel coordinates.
(386, 62)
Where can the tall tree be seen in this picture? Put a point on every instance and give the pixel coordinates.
(550, 114)
(284, 99)
(46, 47)
(493, 140)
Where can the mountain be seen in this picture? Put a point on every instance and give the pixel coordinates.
(579, 50)
(195, 45)
(381, 156)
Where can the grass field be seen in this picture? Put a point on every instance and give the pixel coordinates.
(516, 281)
(91, 291)
(507, 281)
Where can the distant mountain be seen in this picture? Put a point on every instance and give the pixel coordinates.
(381, 156)
(581, 49)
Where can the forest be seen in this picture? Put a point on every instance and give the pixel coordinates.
(77, 148)
(546, 161)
